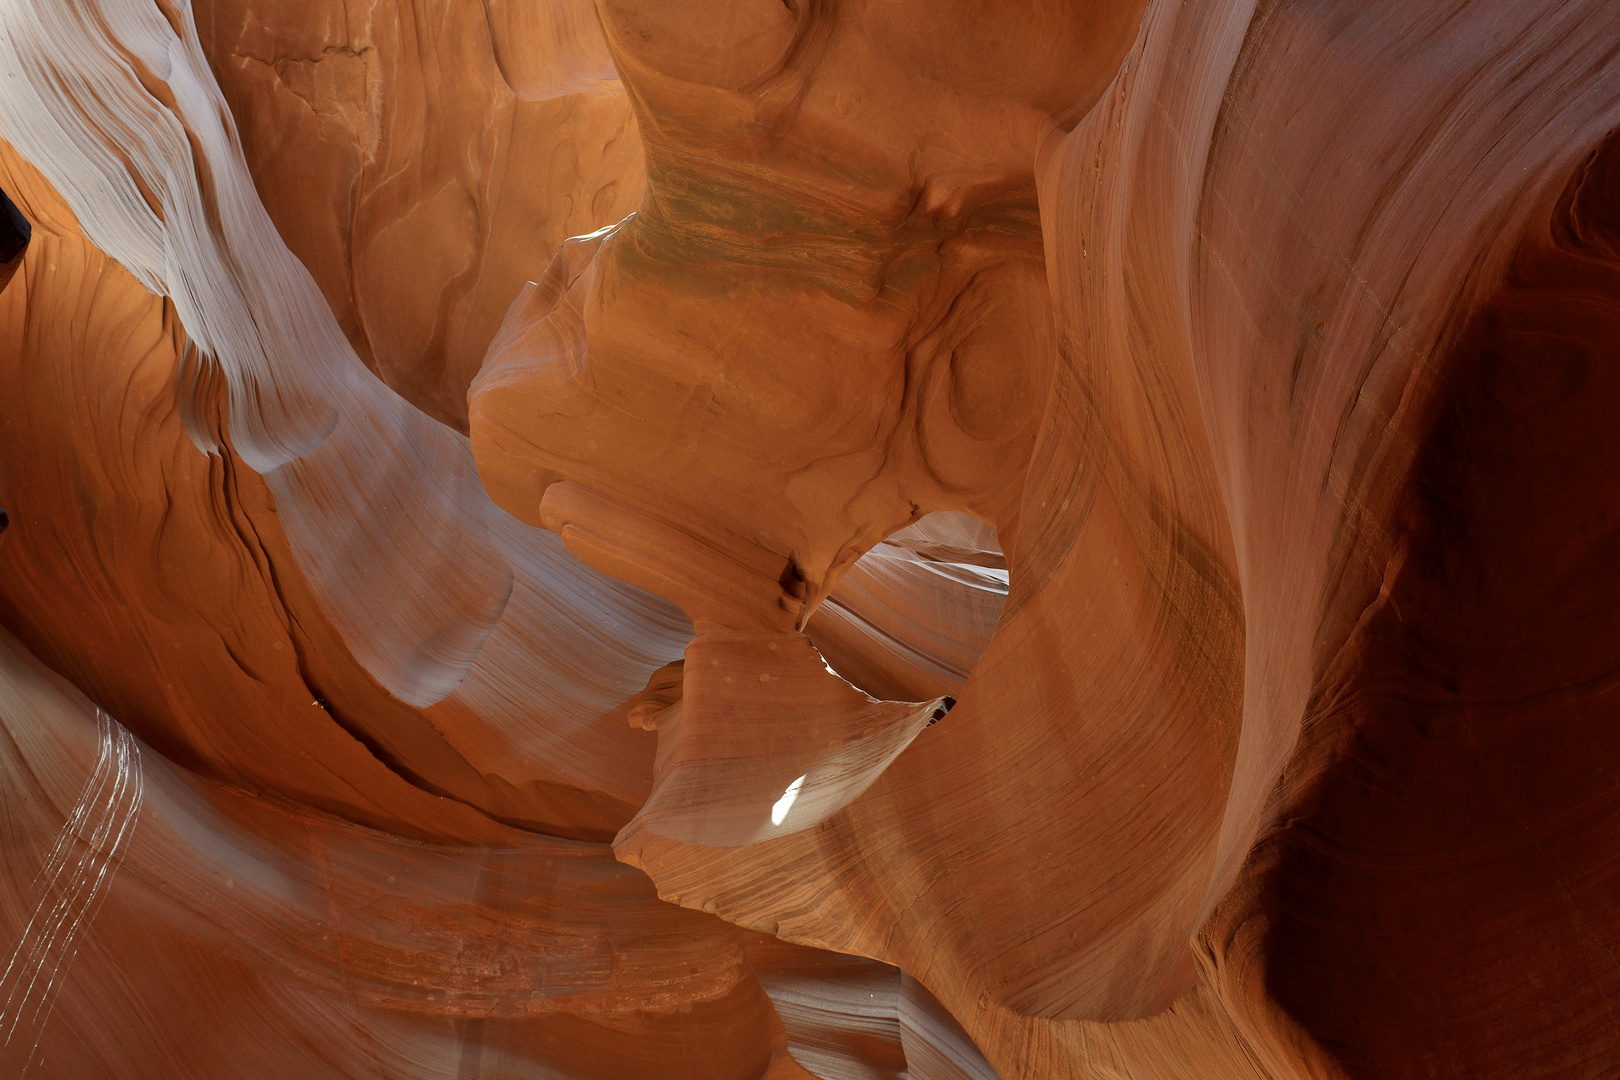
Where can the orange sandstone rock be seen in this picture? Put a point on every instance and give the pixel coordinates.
(1053, 540)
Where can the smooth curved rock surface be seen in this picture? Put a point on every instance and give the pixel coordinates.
(831, 538)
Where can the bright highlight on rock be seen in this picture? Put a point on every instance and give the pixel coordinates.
(779, 812)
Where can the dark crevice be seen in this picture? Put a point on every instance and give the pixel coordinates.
(1448, 903)
(15, 232)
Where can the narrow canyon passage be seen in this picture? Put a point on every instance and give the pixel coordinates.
(780, 539)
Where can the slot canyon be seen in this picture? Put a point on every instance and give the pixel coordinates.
(789, 539)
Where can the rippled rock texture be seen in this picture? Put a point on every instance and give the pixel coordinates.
(809, 538)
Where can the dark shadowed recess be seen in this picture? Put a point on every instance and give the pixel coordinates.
(1450, 904)
(14, 234)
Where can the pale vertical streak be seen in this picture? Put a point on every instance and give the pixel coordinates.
(68, 906)
(45, 882)
(72, 887)
(128, 782)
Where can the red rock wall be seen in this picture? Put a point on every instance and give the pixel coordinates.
(1454, 862)
(1053, 542)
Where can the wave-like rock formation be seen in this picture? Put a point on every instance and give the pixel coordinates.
(809, 538)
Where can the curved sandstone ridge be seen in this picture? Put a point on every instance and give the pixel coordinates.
(809, 538)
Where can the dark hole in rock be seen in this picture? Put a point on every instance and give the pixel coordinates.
(793, 581)
(14, 230)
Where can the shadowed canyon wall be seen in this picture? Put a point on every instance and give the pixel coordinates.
(809, 538)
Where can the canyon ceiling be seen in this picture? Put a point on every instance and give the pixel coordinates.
(767, 539)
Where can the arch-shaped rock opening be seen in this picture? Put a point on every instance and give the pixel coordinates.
(914, 614)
